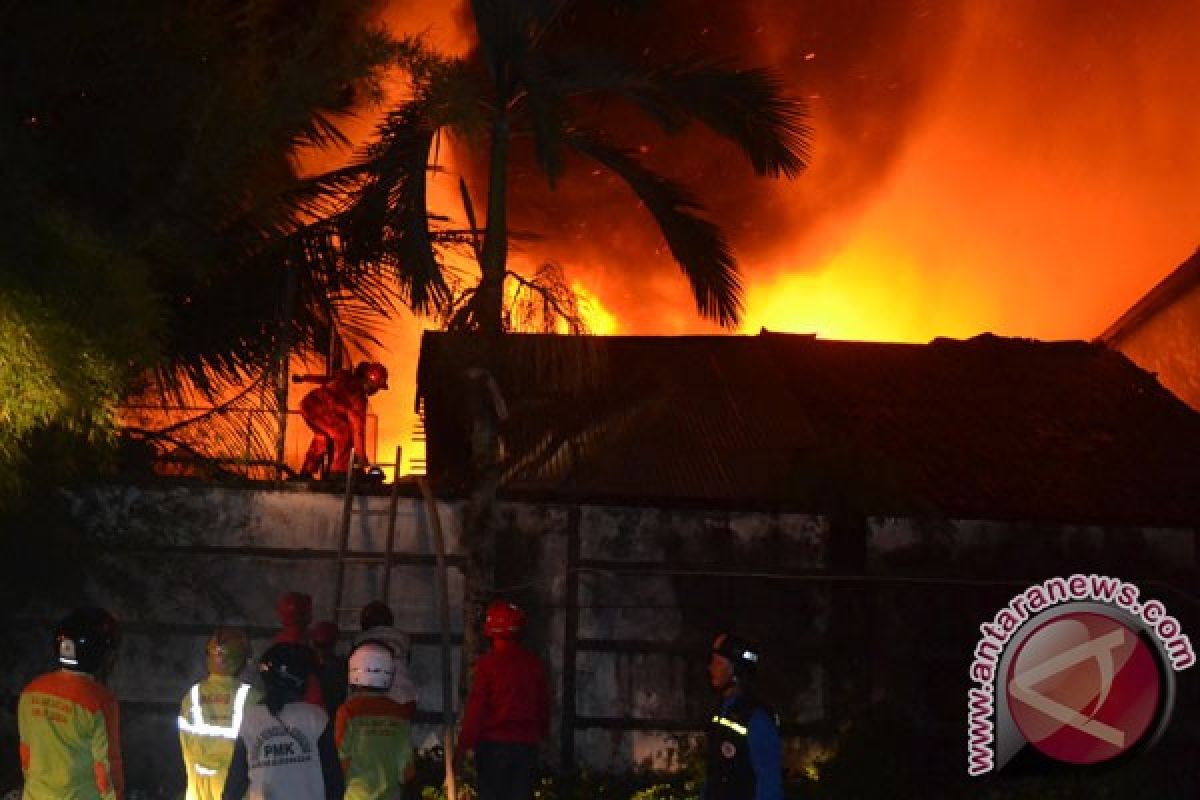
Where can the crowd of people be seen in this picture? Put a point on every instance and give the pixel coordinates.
(321, 727)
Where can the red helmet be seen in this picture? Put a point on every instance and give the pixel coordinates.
(294, 609)
(324, 633)
(503, 620)
(374, 374)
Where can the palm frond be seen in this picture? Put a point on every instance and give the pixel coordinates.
(696, 243)
(748, 107)
(549, 116)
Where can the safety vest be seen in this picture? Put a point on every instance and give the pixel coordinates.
(70, 742)
(209, 719)
(373, 735)
(730, 771)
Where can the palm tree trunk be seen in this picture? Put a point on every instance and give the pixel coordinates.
(494, 261)
(479, 523)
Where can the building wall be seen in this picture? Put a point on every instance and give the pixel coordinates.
(630, 596)
(1168, 344)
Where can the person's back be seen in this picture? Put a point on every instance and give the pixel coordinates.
(70, 744)
(211, 714)
(330, 667)
(378, 625)
(508, 710)
(295, 615)
(373, 732)
(281, 750)
(69, 740)
(285, 747)
(511, 704)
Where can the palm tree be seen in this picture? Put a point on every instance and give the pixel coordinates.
(529, 80)
(151, 152)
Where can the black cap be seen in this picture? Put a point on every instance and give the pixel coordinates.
(286, 666)
(741, 652)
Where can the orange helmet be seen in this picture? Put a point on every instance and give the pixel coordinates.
(294, 609)
(503, 620)
(374, 374)
(227, 651)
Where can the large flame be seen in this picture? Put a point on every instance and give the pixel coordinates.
(1026, 168)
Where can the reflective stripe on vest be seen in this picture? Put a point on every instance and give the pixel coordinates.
(728, 723)
(199, 727)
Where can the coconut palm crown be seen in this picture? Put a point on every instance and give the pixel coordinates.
(531, 78)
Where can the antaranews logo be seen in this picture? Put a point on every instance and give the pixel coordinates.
(1077, 668)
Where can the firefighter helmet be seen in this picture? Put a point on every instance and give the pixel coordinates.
(86, 640)
(741, 654)
(325, 633)
(373, 374)
(375, 614)
(294, 609)
(227, 651)
(286, 667)
(371, 666)
(503, 620)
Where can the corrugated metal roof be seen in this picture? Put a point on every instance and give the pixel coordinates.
(982, 428)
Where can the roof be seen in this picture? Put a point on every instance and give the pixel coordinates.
(986, 428)
(1183, 279)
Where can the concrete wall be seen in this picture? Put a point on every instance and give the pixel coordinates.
(651, 588)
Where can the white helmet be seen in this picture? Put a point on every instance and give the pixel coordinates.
(371, 666)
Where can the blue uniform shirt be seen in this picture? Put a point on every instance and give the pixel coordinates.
(765, 753)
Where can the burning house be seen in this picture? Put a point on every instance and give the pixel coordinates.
(1161, 331)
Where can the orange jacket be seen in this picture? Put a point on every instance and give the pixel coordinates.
(70, 742)
(374, 742)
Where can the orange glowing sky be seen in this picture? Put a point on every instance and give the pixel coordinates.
(1041, 177)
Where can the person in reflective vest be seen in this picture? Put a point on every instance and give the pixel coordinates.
(285, 748)
(378, 625)
(373, 731)
(70, 740)
(211, 714)
(744, 755)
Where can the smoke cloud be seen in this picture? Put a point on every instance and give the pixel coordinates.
(973, 161)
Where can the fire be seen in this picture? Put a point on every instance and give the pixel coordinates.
(1027, 183)
(599, 320)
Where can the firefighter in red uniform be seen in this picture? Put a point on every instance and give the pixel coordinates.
(295, 615)
(70, 740)
(508, 710)
(337, 413)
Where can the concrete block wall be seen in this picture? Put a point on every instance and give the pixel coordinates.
(650, 584)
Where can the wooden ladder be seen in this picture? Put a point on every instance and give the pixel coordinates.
(343, 555)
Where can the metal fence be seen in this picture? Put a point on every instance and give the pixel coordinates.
(215, 441)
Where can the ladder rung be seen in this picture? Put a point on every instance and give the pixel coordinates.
(365, 559)
(382, 512)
